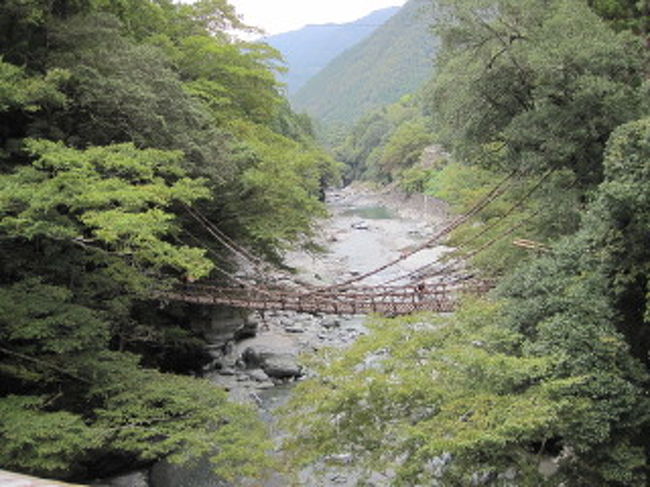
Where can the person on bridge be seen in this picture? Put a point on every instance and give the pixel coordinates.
(420, 290)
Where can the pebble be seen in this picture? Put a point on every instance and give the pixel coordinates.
(331, 323)
(258, 375)
(227, 371)
(338, 478)
(294, 329)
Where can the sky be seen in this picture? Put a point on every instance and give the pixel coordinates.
(276, 16)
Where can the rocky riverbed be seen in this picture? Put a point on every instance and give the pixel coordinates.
(257, 357)
(366, 229)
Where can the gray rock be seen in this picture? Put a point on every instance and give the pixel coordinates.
(360, 225)
(341, 459)
(482, 478)
(254, 356)
(282, 366)
(276, 364)
(227, 371)
(331, 323)
(295, 329)
(509, 475)
(248, 329)
(338, 478)
(135, 479)
(258, 375)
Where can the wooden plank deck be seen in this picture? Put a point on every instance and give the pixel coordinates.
(396, 300)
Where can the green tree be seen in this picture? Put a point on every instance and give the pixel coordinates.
(624, 14)
(94, 228)
(404, 147)
(547, 81)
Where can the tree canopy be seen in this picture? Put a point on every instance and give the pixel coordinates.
(115, 117)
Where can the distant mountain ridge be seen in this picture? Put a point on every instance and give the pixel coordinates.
(310, 49)
(396, 59)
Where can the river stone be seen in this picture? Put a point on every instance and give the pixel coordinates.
(341, 458)
(248, 329)
(276, 364)
(227, 371)
(295, 329)
(258, 375)
(360, 225)
(338, 478)
(135, 479)
(164, 474)
(255, 355)
(282, 366)
(331, 323)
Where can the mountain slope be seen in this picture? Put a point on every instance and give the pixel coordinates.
(396, 59)
(310, 49)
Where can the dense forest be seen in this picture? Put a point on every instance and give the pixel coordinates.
(115, 118)
(125, 125)
(545, 380)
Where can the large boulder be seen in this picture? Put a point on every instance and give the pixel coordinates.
(275, 363)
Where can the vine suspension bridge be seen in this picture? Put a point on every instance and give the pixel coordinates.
(429, 288)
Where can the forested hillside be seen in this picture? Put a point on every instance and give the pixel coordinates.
(541, 109)
(115, 119)
(310, 49)
(395, 60)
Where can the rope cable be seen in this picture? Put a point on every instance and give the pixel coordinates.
(478, 235)
(492, 195)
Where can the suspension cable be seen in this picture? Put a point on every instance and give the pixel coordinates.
(475, 237)
(492, 195)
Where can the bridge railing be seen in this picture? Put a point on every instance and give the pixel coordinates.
(351, 300)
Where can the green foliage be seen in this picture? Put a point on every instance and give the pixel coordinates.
(548, 82)
(624, 14)
(233, 80)
(140, 416)
(419, 388)
(386, 140)
(19, 92)
(541, 215)
(42, 442)
(51, 322)
(111, 197)
(140, 413)
(404, 147)
(147, 20)
(287, 174)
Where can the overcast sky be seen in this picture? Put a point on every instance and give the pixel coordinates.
(276, 16)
